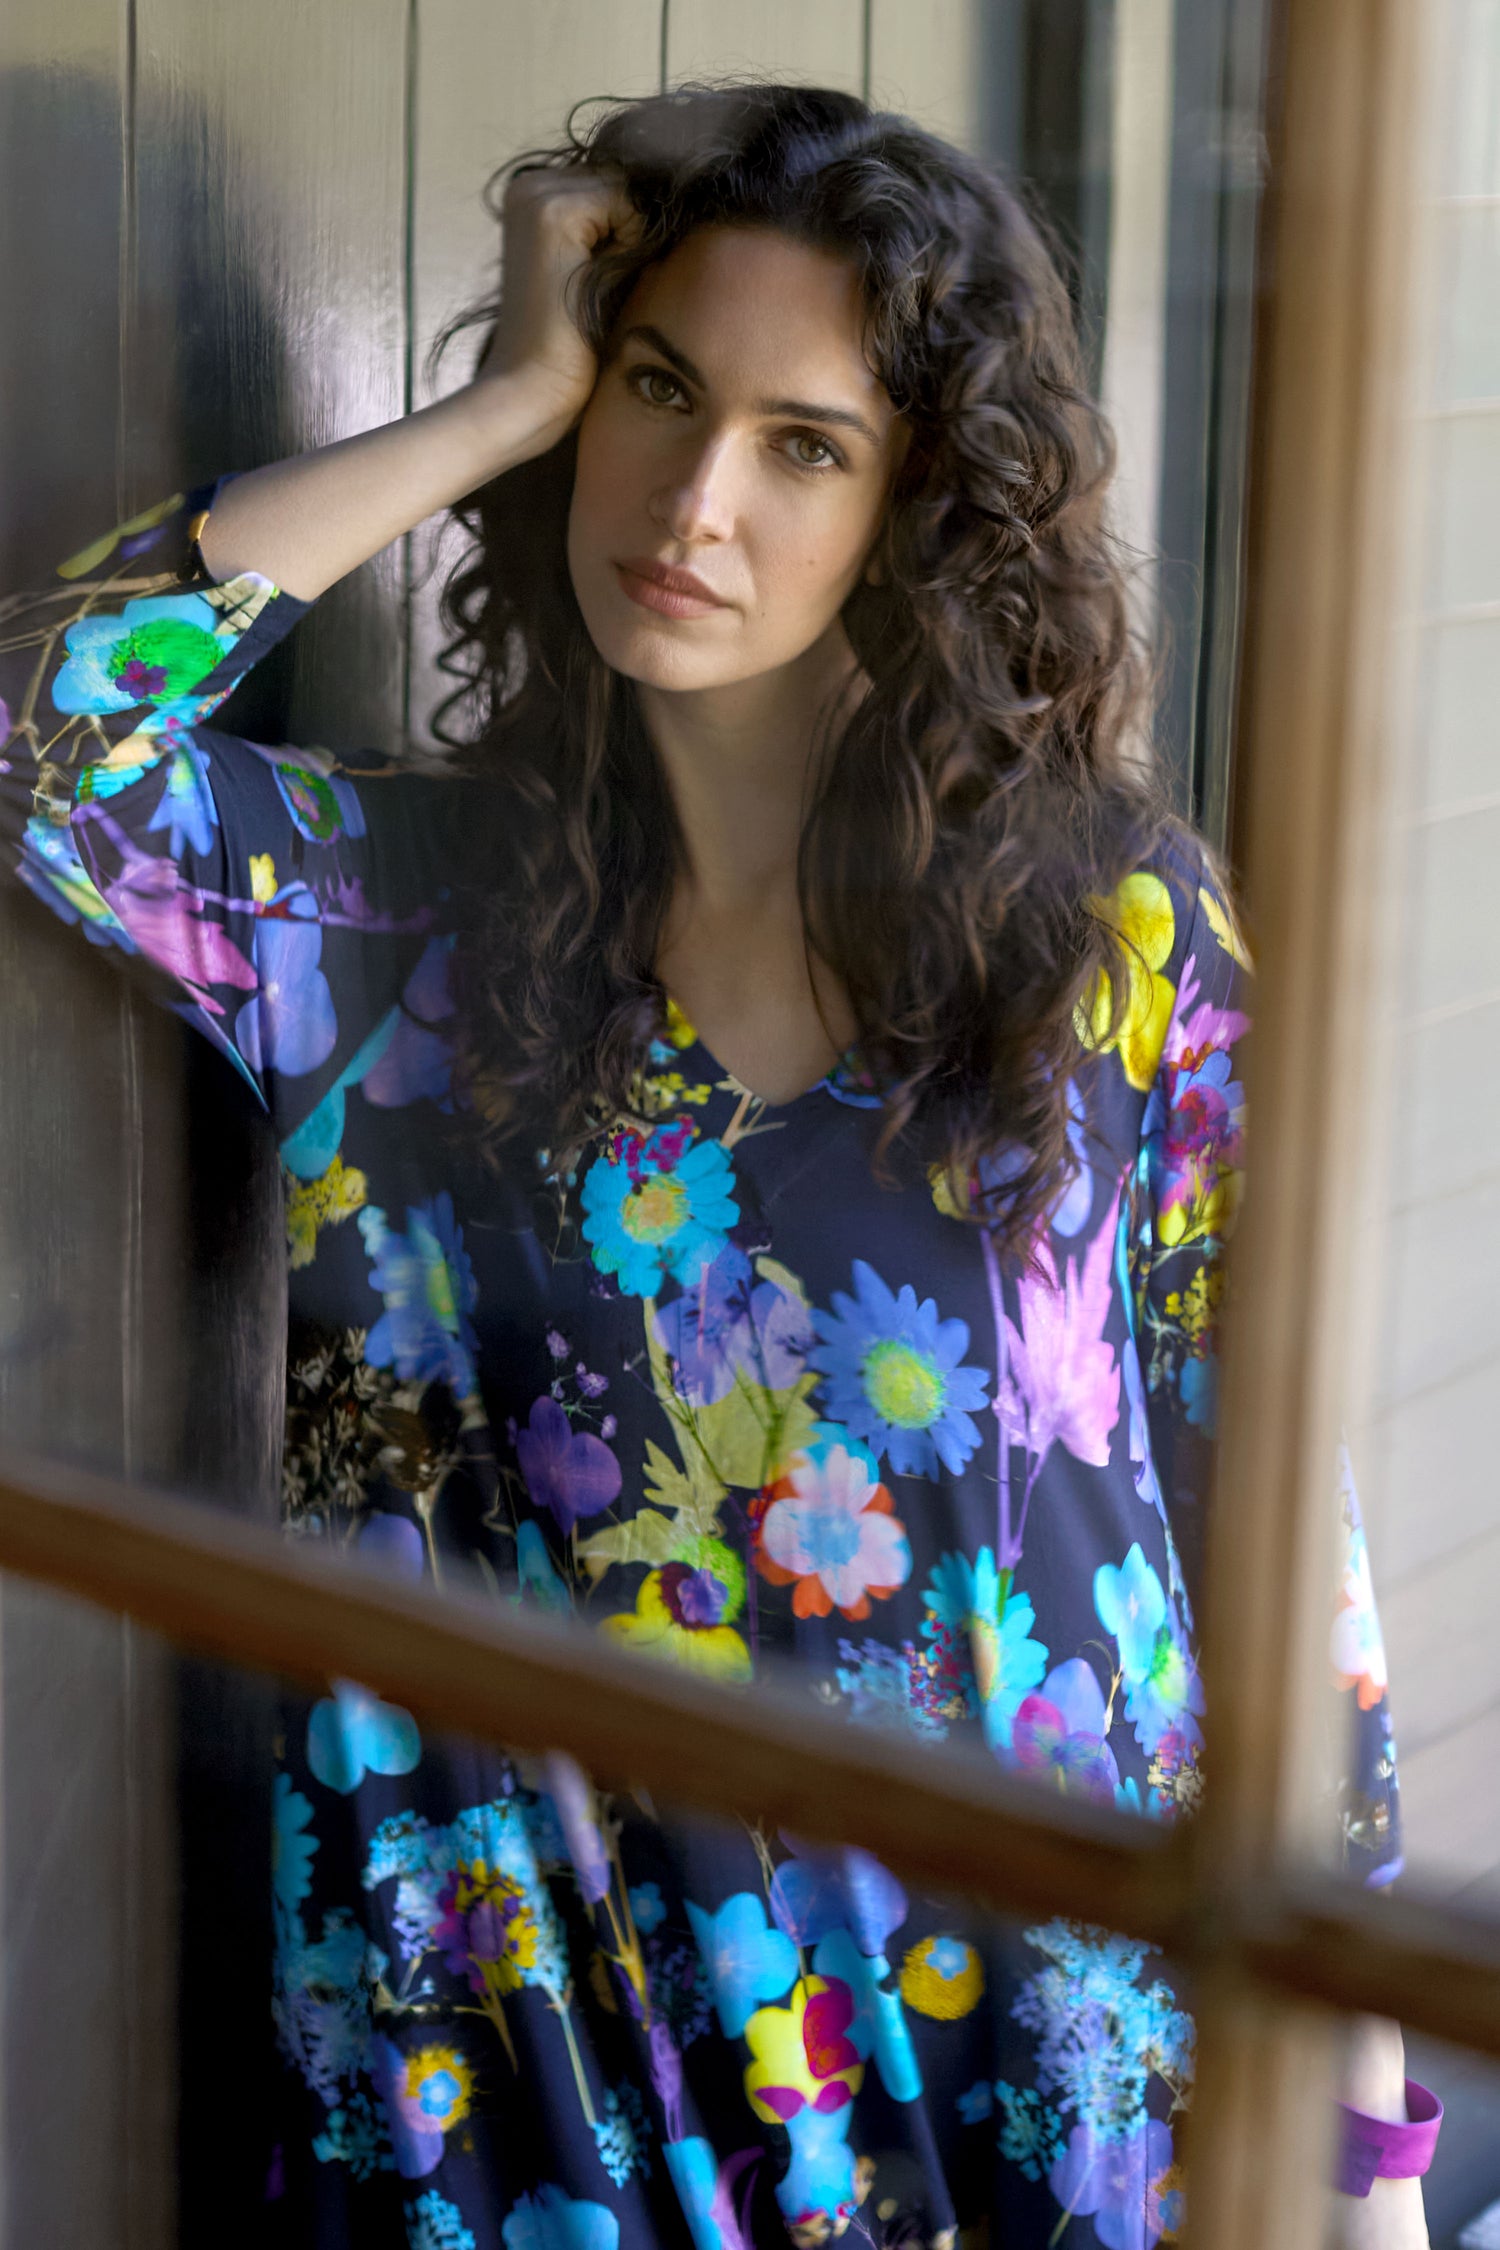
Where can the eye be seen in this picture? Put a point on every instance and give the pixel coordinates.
(654, 386)
(828, 454)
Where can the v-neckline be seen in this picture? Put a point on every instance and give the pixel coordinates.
(722, 1075)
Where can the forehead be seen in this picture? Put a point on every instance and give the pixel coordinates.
(754, 309)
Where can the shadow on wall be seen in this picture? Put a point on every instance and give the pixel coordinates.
(142, 1180)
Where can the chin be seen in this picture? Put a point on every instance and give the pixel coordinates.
(657, 656)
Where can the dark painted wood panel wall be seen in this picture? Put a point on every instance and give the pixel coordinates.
(226, 233)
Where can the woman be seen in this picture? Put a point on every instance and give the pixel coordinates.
(758, 1141)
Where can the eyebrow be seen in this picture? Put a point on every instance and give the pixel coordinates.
(805, 410)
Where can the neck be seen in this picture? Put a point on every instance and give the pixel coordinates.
(738, 762)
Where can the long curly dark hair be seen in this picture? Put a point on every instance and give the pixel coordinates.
(988, 791)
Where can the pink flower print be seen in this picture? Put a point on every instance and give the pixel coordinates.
(830, 1530)
(1356, 1645)
(1060, 1734)
(1194, 1031)
(163, 916)
(1061, 1379)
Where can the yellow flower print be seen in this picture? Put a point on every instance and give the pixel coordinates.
(1141, 910)
(262, 878)
(684, 1611)
(89, 558)
(1220, 918)
(804, 2057)
(679, 1030)
(942, 1977)
(311, 1204)
(439, 2084)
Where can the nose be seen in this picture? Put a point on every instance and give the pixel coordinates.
(694, 503)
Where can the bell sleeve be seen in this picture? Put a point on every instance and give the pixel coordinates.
(1189, 1176)
(247, 883)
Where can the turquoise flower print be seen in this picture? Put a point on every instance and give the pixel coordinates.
(647, 1907)
(552, 2220)
(1131, 1605)
(893, 1375)
(157, 648)
(1059, 1735)
(353, 1733)
(292, 1852)
(658, 1204)
(50, 867)
(706, 2192)
(1119, 2184)
(1101, 2038)
(818, 2189)
(289, 1025)
(879, 2024)
(1163, 1692)
(982, 1660)
(433, 2223)
(321, 803)
(428, 1285)
(323, 1999)
(976, 2103)
(622, 2135)
(1031, 2131)
(186, 809)
(747, 1962)
(541, 1583)
(354, 2134)
(1199, 1385)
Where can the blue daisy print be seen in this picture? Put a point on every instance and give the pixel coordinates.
(893, 1375)
(157, 649)
(657, 1206)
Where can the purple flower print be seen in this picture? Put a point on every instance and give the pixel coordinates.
(569, 1471)
(418, 1062)
(568, 1787)
(290, 1026)
(1059, 1733)
(1117, 2184)
(728, 1324)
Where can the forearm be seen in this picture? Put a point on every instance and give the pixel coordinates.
(307, 521)
(1373, 2079)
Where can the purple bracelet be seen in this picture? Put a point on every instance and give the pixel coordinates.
(1374, 2148)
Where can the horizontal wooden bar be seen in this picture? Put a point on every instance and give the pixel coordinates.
(935, 1813)
(941, 1815)
(1429, 1966)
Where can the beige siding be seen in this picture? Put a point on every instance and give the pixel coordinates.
(1428, 1455)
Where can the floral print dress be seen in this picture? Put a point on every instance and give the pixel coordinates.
(725, 1398)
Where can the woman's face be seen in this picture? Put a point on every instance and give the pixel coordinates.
(734, 463)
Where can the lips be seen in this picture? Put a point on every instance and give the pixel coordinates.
(672, 593)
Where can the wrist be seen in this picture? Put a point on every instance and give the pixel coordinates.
(517, 414)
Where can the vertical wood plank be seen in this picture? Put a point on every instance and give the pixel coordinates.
(821, 45)
(1320, 704)
(270, 312)
(89, 1257)
(493, 78)
(926, 60)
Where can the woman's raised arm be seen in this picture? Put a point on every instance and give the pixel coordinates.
(307, 521)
